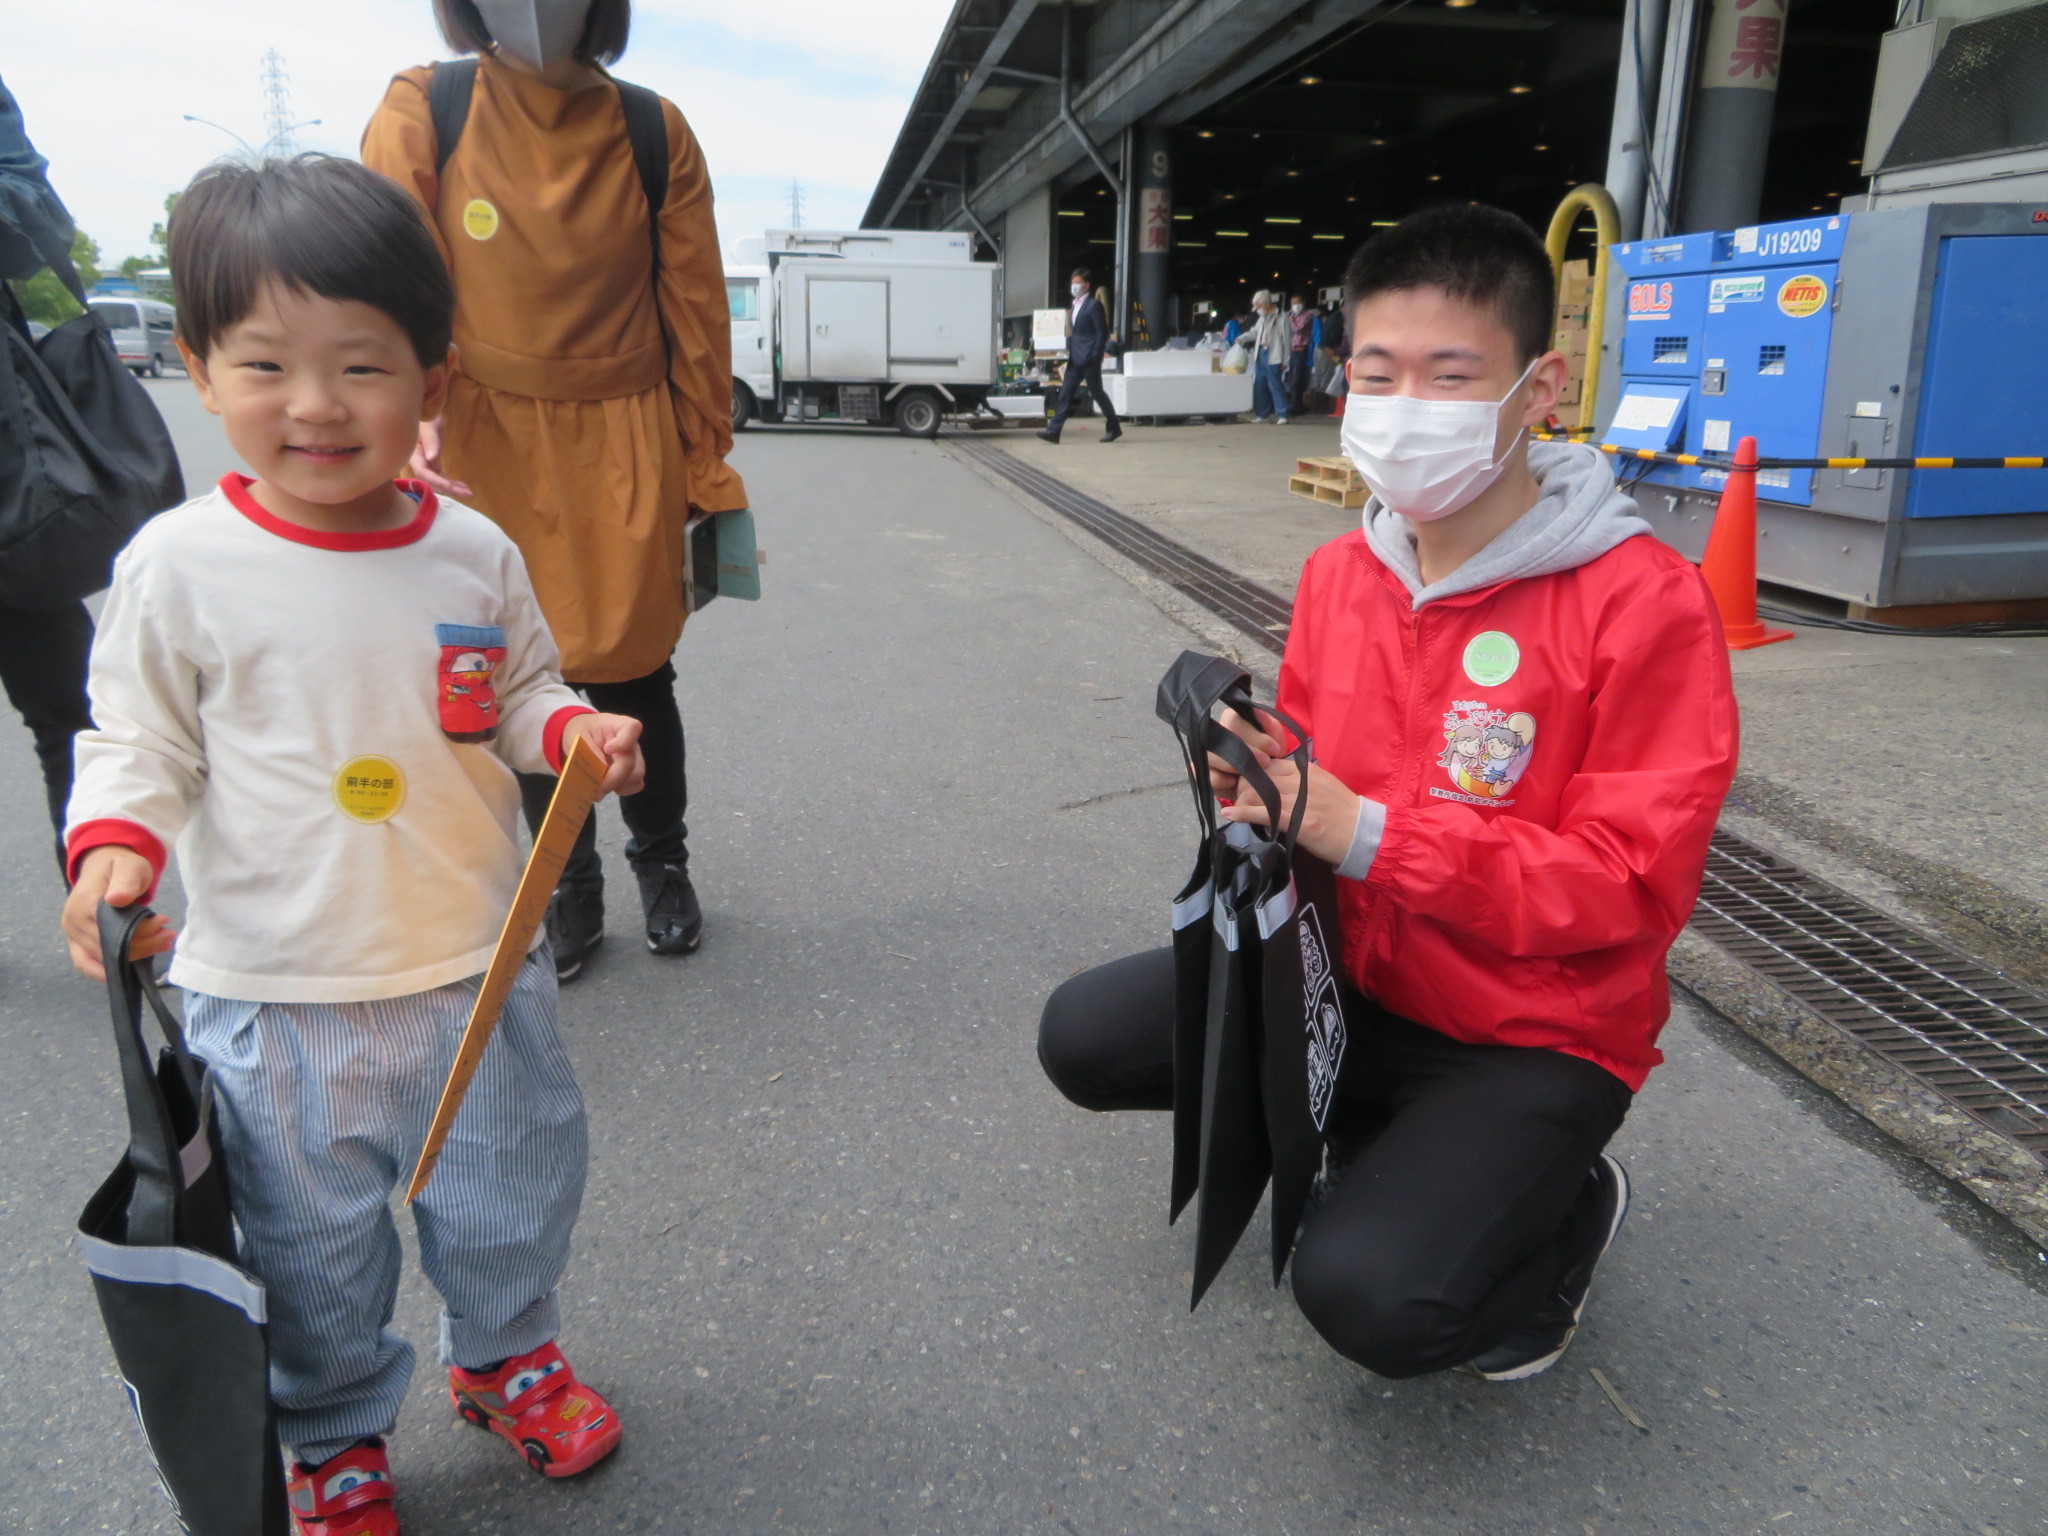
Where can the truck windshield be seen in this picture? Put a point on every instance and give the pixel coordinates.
(119, 317)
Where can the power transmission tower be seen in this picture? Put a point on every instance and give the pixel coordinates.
(277, 107)
(796, 204)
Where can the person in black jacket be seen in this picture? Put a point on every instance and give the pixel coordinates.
(42, 654)
(1088, 329)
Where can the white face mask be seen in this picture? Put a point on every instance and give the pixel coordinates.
(1078, 289)
(538, 33)
(1427, 458)
(1294, 309)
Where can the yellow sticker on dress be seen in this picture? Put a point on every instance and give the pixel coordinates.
(479, 218)
(369, 789)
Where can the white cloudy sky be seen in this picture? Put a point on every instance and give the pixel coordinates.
(775, 89)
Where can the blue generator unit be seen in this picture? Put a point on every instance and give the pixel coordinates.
(1900, 333)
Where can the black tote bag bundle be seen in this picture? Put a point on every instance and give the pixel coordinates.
(1258, 1027)
(185, 1320)
(85, 459)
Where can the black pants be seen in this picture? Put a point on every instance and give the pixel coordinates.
(654, 817)
(1466, 1175)
(42, 665)
(1297, 379)
(1088, 375)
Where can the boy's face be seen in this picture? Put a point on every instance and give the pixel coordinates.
(1422, 343)
(322, 398)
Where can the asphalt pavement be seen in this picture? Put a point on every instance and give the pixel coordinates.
(848, 1264)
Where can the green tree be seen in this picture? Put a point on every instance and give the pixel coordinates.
(44, 296)
(160, 234)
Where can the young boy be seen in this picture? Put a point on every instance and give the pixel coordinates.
(1523, 729)
(318, 684)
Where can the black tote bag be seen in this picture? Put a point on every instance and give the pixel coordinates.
(1252, 1103)
(185, 1320)
(85, 459)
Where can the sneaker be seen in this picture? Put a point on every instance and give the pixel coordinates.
(575, 926)
(535, 1403)
(1049, 437)
(1283, 421)
(346, 1495)
(1112, 436)
(1539, 1343)
(675, 923)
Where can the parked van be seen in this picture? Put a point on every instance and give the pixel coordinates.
(143, 333)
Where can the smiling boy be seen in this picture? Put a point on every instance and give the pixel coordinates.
(318, 683)
(1523, 730)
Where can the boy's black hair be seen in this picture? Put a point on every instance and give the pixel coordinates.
(603, 40)
(1085, 275)
(1478, 254)
(317, 224)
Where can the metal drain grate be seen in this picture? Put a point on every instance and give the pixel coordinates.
(1974, 1037)
(1259, 611)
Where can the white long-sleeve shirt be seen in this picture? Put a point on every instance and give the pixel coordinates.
(326, 726)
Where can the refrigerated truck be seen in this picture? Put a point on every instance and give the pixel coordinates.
(881, 326)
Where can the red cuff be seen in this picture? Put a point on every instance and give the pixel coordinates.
(551, 733)
(112, 832)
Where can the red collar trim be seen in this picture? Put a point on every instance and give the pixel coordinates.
(236, 488)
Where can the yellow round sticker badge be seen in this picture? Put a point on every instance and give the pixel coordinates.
(1803, 295)
(479, 218)
(369, 789)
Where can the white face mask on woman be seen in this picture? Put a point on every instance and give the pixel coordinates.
(1427, 458)
(538, 33)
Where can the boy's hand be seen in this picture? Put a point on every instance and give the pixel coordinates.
(426, 462)
(120, 876)
(617, 740)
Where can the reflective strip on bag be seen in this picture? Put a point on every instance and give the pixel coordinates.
(1226, 925)
(176, 1266)
(1275, 910)
(1190, 910)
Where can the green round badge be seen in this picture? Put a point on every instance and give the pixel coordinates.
(1491, 658)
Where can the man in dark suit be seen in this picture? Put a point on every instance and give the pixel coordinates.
(1088, 335)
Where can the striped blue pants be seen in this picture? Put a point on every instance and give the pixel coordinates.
(323, 1109)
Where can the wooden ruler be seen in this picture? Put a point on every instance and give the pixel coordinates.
(575, 793)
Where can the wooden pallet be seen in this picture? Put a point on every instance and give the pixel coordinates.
(1331, 480)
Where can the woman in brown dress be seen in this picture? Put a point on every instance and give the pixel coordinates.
(590, 414)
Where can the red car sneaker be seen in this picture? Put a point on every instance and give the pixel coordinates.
(346, 1495)
(535, 1401)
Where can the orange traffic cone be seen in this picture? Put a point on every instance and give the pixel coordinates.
(1730, 561)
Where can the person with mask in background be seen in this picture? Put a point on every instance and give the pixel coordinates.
(1524, 728)
(1087, 339)
(590, 413)
(42, 654)
(1301, 331)
(1267, 338)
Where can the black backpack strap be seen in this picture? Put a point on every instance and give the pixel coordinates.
(647, 132)
(449, 85)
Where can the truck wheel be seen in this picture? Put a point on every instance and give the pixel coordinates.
(743, 409)
(917, 414)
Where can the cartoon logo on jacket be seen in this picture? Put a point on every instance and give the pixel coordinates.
(1485, 751)
(470, 654)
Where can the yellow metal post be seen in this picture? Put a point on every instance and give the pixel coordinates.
(1606, 228)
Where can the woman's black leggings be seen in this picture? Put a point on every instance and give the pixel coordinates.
(654, 817)
(1467, 1165)
(43, 660)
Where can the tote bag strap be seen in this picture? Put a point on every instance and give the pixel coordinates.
(152, 1139)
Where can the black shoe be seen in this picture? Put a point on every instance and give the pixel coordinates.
(1539, 1343)
(1112, 436)
(675, 923)
(1047, 437)
(575, 926)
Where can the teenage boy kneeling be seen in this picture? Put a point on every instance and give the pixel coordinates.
(1523, 727)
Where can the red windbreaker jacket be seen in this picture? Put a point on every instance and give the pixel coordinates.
(1552, 752)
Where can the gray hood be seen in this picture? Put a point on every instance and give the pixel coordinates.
(1579, 516)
